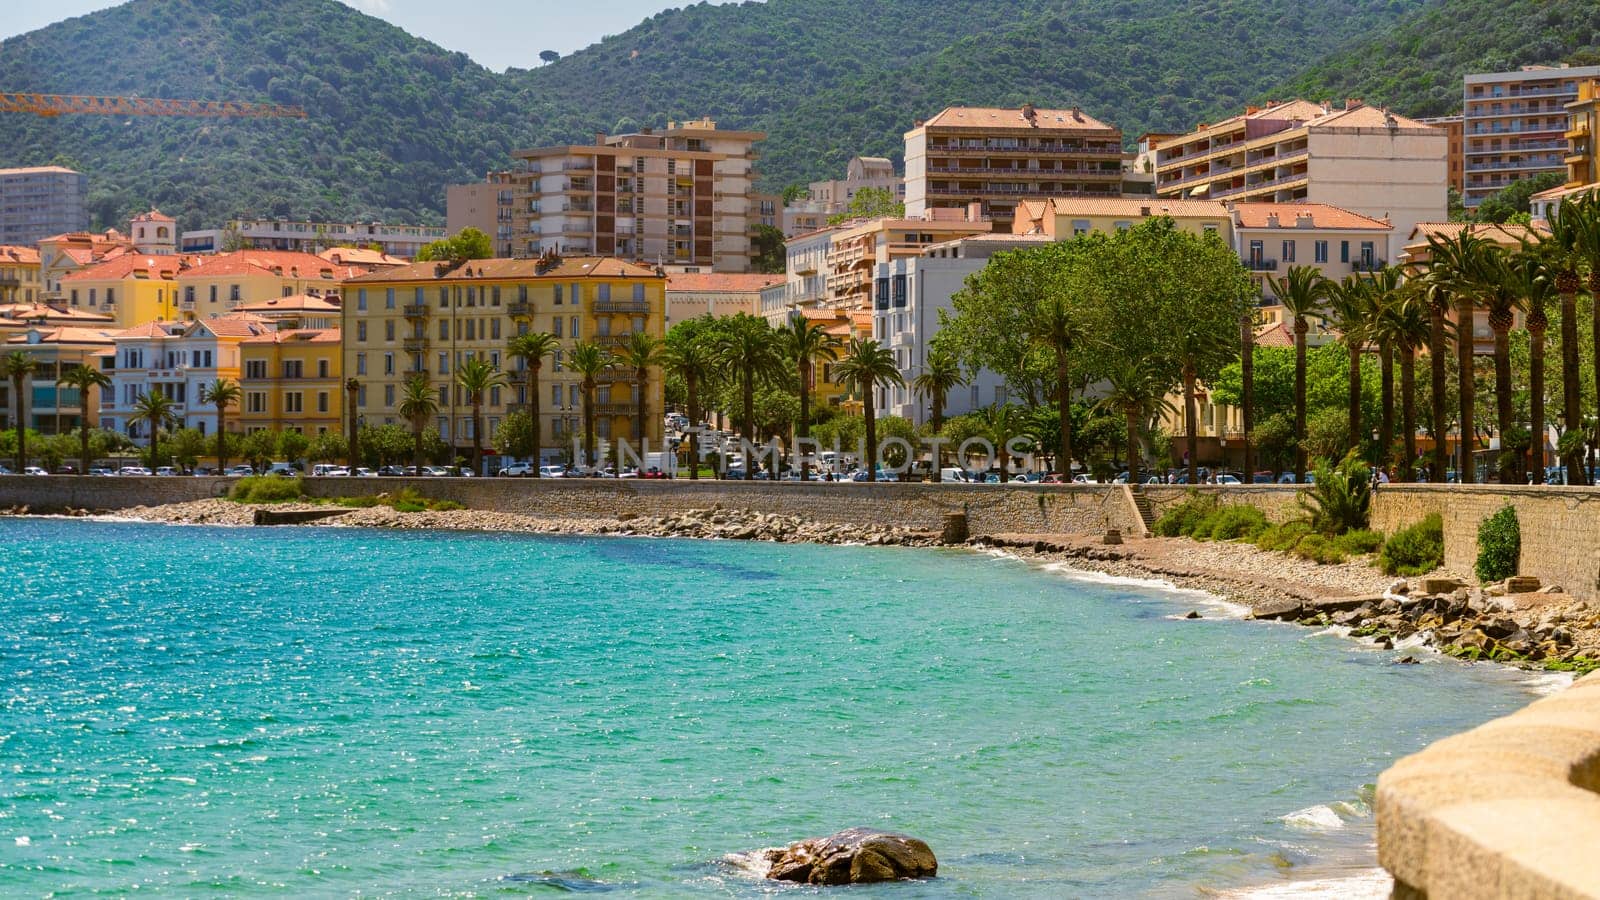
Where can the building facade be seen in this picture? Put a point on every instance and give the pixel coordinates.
(998, 157)
(291, 379)
(54, 408)
(694, 294)
(136, 288)
(1515, 125)
(310, 237)
(1272, 237)
(1360, 158)
(1456, 155)
(488, 206)
(40, 201)
(861, 173)
(855, 248)
(431, 317)
(1064, 218)
(682, 196)
(805, 279)
(62, 254)
(177, 360)
(19, 275)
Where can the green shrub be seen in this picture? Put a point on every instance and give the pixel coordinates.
(1413, 551)
(1499, 546)
(1319, 549)
(1184, 518)
(1360, 542)
(444, 505)
(357, 502)
(408, 506)
(1341, 498)
(1233, 521)
(1283, 537)
(265, 489)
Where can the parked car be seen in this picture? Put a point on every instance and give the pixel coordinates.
(552, 471)
(393, 472)
(101, 472)
(285, 469)
(517, 470)
(240, 471)
(1228, 479)
(133, 470)
(434, 471)
(168, 472)
(363, 472)
(329, 470)
(34, 470)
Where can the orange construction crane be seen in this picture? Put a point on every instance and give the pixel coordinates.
(50, 105)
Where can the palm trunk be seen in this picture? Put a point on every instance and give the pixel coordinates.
(802, 428)
(21, 425)
(477, 434)
(416, 447)
(1133, 447)
(1064, 401)
(83, 429)
(1408, 411)
(938, 422)
(1191, 441)
(693, 387)
(222, 438)
(749, 404)
(1502, 400)
(870, 415)
(1386, 402)
(355, 434)
(1353, 398)
(641, 379)
(1536, 335)
(1247, 399)
(588, 424)
(155, 446)
(1571, 389)
(1005, 457)
(1465, 320)
(1299, 400)
(1436, 342)
(535, 415)
(1594, 292)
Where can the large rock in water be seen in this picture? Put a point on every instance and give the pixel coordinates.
(853, 856)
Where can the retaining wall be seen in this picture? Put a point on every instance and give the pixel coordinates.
(1276, 501)
(1509, 809)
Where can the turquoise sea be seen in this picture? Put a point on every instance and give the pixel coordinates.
(315, 712)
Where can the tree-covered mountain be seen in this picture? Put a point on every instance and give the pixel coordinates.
(392, 118)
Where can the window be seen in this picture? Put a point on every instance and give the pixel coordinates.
(1344, 251)
(472, 329)
(572, 396)
(1258, 252)
(444, 329)
(213, 297)
(558, 295)
(577, 294)
(1321, 248)
(494, 396)
(361, 298)
(444, 298)
(322, 368)
(899, 291)
(1209, 228)
(293, 402)
(256, 401)
(361, 364)
(1080, 226)
(255, 368)
(883, 294)
(388, 395)
(388, 329)
(233, 293)
(575, 322)
(555, 395)
(603, 293)
(361, 396)
(361, 331)
(322, 401)
(444, 363)
(388, 364)
(557, 323)
(417, 298)
(638, 292)
(1367, 255)
(494, 329)
(555, 360)
(293, 368)
(1123, 226)
(388, 298)
(494, 296)
(188, 294)
(1288, 251)
(522, 293)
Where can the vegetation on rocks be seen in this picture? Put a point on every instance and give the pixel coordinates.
(266, 489)
(1416, 550)
(1499, 546)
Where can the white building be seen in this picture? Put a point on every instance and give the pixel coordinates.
(177, 360)
(805, 282)
(910, 293)
(313, 237)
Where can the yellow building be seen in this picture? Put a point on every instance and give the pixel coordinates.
(132, 289)
(292, 380)
(19, 275)
(1064, 218)
(431, 317)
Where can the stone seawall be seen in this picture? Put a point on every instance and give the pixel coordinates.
(990, 509)
(1560, 526)
(1276, 501)
(1509, 809)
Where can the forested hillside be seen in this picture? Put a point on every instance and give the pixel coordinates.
(392, 118)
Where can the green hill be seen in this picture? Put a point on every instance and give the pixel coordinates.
(393, 118)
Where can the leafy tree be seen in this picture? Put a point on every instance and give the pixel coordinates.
(548, 56)
(515, 435)
(866, 366)
(470, 243)
(20, 366)
(293, 445)
(187, 446)
(767, 242)
(258, 448)
(871, 203)
(1513, 199)
(747, 348)
(327, 446)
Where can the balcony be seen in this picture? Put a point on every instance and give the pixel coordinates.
(1524, 164)
(1368, 265)
(1520, 147)
(414, 311)
(415, 344)
(621, 306)
(615, 409)
(1261, 265)
(518, 309)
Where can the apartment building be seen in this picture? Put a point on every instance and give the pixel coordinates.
(310, 237)
(909, 294)
(681, 196)
(1456, 155)
(805, 279)
(40, 201)
(1515, 125)
(998, 157)
(19, 275)
(861, 173)
(136, 288)
(291, 379)
(488, 206)
(1064, 218)
(62, 254)
(53, 408)
(177, 360)
(855, 248)
(431, 317)
(693, 294)
(1361, 158)
(1272, 237)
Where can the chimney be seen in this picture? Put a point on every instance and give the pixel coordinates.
(1327, 106)
(1352, 103)
(1077, 114)
(1144, 211)
(1304, 220)
(920, 123)
(975, 211)
(1029, 112)
(1251, 110)
(1272, 220)
(599, 138)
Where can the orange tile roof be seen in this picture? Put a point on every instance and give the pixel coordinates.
(26, 311)
(148, 330)
(154, 215)
(716, 282)
(11, 253)
(241, 325)
(1500, 234)
(1365, 117)
(992, 117)
(1275, 335)
(126, 265)
(1565, 191)
(360, 256)
(296, 303)
(1254, 215)
(296, 335)
(1136, 207)
(68, 334)
(286, 263)
(492, 269)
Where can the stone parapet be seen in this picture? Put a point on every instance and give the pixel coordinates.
(1509, 809)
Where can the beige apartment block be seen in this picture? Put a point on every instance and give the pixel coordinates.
(1064, 218)
(1360, 158)
(694, 294)
(856, 249)
(1000, 157)
(684, 196)
(1515, 125)
(487, 206)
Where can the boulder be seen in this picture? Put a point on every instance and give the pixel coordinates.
(1521, 584)
(853, 856)
(1441, 585)
(1192, 614)
(1332, 605)
(1282, 608)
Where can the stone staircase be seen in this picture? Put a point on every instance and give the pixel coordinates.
(1147, 513)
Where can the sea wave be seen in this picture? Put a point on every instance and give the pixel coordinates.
(1368, 884)
(1217, 603)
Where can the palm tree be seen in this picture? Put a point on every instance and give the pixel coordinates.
(1405, 325)
(1352, 302)
(1562, 251)
(803, 343)
(939, 376)
(352, 389)
(418, 404)
(640, 353)
(1302, 291)
(84, 379)
(1003, 421)
(1138, 393)
(1385, 288)
(476, 376)
(20, 367)
(1533, 286)
(1451, 263)
(532, 348)
(1436, 294)
(1054, 325)
(1503, 293)
(156, 410)
(748, 349)
(222, 393)
(1247, 389)
(691, 358)
(867, 365)
(1586, 215)
(589, 361)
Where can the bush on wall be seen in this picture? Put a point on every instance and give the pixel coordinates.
(1499, 546)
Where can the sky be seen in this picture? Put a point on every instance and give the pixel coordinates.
(521, 28)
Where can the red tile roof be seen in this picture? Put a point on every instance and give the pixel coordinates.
(126, 265)
(1254, 215)
(297, 335)
(241, 325)
(508, 269)
(296, 303)
(1274, 335)
(720, 283)
(68, 334)
(991, 117)
(13, 254)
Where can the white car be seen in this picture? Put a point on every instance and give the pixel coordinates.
(552, 472)
(133, 470)
(363, 472)
(1227, 479)
(34, 470)
(517, 470)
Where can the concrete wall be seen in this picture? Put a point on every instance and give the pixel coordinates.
(1560, 526)
(1509, 809)
(991, 509)
(1277, 502)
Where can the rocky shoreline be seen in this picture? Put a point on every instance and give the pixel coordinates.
(1519, 623)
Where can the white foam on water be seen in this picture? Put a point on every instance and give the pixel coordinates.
(1546, 683)
(1314, 818)
(24, 841)
(1223, 607)
(751, 864)
(1333, 631)
(1368, 884)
